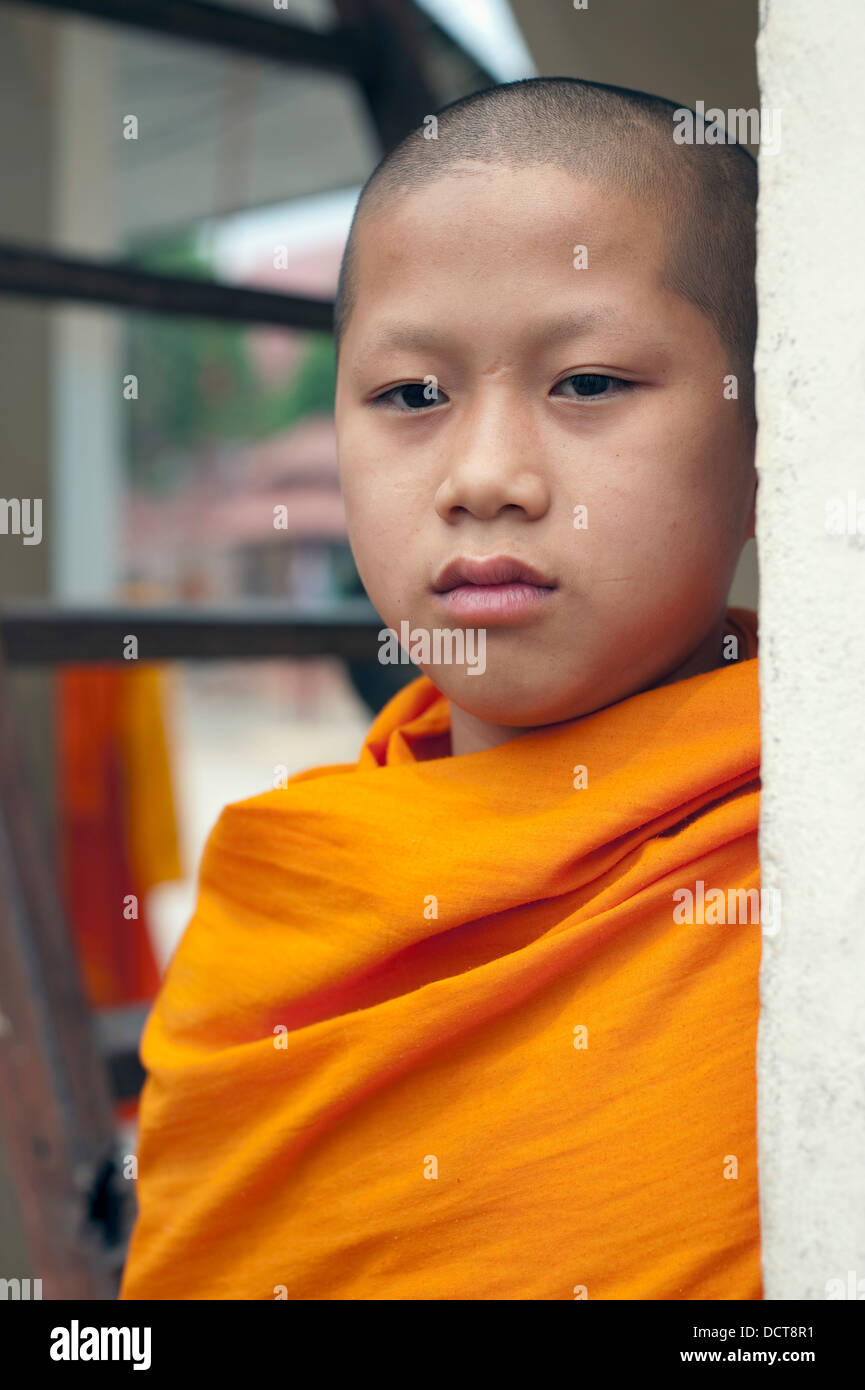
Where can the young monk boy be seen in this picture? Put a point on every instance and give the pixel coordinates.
(475, 1018)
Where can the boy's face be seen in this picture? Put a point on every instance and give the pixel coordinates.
(472, 281)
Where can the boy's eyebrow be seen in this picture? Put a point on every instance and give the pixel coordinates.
(412, 336)
(577, 325)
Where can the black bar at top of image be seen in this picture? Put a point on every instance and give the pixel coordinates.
(36, 634)
(42, 274)
(241, 31)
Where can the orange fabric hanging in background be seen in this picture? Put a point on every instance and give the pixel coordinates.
(434, 1031)
(117, 823)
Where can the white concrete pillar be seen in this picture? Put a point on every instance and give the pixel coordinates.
(811, 464)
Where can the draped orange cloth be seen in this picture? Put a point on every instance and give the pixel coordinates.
(117, 828)
(434, 1032)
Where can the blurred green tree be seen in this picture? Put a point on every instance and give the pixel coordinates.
(198, 388)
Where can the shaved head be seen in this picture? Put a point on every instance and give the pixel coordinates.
(704, 193)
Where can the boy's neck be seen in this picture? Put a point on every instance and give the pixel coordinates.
(472, 735)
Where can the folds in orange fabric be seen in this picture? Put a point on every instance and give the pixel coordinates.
(435, 1030)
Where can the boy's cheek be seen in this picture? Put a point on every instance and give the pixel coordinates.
(366, 492)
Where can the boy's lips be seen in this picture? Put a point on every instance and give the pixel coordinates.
(495, 569)
(498, 586)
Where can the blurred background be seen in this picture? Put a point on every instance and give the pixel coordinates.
(177, 180)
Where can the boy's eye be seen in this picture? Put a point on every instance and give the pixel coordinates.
(416, 396)
(587, 384)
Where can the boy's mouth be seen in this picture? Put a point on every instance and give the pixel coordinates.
(495, 587)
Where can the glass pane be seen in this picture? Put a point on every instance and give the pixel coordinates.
(217, 134)
(134, 134)
(193, 458)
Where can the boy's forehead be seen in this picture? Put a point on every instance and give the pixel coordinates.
(482, 229)
(528, 205)
(586, 249)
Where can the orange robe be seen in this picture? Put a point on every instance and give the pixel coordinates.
(117, 828)
(434, 1031)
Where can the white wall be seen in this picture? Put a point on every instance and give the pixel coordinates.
(811, 449)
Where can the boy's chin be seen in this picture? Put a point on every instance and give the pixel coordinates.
(509, 703)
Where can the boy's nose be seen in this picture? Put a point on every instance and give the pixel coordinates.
(490, 467)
